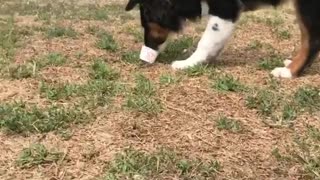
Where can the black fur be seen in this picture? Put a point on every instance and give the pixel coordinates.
(170, 15)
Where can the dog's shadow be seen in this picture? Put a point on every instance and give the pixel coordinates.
(231, 57)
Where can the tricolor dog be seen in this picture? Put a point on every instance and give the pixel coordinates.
(159, 18)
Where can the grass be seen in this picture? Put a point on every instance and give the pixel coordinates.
(304, 153)
(283, 34)
(137, 34)
(19, 118)
(30, 69)
(255, 45)
(131, 57)
(308, 98)
(9, 41)
(227, 83)
(283, 107)
(198, 70)
(265, 101)
(22, 71)
(132, 164)
(228, 124)
(37, 155)
(269, 63)
(60, 31)
(100, 70)
(107, 42)
(58, 91)
(175, 50)
(99, 89)
(168, 79)
(143, 97)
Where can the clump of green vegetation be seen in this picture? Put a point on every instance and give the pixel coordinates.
(264, 101)
(135, 164)
(100, 70)
(228, 83)
(175, 50)
(30, 69)
(22, 71)
(9, 41)
(131, 57)
(275, 21)
(289, 112)
(52, 59)
(283, 34)
(59, 31)
(19, 118)
(308, 98)
(107, 42)
(37, 154)
(98, 90)
(224, 123)
(269, 63)
(142, 98)
(303, 153)
(284, 108)
(167, 79)
(136, 33)
(58, 91)
(255, 45)
(197, 71)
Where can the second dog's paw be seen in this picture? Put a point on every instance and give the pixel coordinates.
(182, 64)
(282, 72)
(287, 62)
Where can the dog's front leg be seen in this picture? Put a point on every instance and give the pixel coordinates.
(211, 43)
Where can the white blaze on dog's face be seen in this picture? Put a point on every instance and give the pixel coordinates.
(158, 21)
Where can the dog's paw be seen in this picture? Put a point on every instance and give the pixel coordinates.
(182, 64)
(282, 72)
(287, 62)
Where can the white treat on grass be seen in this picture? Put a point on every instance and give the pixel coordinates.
(148, 55)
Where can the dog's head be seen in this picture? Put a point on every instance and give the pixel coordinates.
(158, 18)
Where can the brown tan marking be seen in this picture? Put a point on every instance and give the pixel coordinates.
(157, 31)
(300, 59)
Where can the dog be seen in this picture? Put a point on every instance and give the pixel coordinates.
(159, 18)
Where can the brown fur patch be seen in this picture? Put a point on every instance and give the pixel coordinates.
(157, 31)
(301, 58)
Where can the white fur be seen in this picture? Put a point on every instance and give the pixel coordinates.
(162, 47)
(282, 72)
(204, 8)
(287, 62)
(211, 43)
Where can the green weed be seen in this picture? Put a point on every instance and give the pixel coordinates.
(224, 123)
(107, 42)
(19, 118)
(132, 164)
(37, 154)
(59, 31)
(142, 98)
(228, 83)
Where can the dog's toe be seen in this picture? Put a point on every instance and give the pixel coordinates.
(287, 62)
(181, 64)
(282, 72)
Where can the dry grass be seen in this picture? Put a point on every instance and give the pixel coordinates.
(75, 103)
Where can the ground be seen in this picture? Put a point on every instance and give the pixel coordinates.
(76, 103)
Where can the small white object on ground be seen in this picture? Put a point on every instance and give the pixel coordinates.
(148, 55)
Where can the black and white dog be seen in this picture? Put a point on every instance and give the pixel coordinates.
(161, 17)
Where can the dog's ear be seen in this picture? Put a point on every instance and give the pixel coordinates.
(131, 4)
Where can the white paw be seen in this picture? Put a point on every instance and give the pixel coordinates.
(287, 62)
(282, 72)
(182, 64)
